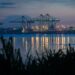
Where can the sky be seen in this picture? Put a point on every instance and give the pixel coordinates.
(62, 9)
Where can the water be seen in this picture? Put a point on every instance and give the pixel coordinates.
(41, 42)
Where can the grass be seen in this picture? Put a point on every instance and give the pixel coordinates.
(52, 63)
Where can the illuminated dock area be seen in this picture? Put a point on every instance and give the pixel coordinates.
(42, 24)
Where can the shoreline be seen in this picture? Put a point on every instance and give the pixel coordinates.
(40, 32)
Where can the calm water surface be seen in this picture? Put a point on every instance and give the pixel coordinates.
(41, 42)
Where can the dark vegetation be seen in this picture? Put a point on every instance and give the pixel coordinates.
(52, 63)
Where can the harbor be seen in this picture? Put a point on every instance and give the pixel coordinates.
(43, 24)
(37, 37)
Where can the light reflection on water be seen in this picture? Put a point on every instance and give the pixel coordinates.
(42, 42)
(46, 41)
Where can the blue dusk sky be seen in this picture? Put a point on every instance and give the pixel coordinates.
(62, 9)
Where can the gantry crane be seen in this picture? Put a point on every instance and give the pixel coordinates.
(25, 23)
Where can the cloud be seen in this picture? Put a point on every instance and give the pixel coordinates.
(7, 4)
(65, 2)
(15, 3)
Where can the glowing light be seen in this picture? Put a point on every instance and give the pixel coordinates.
(60, 27)
(57, 42)
(46, 42)
(37, 42)
(40, 28)
(32, 40)
(63, 42)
